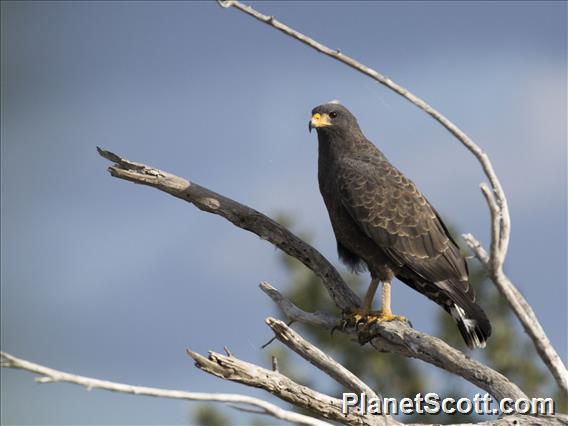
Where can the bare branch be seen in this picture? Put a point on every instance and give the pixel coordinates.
(317, 319)
(236, 370)
(501, 221)
(241, 402)
(495, 228)
(398, 337)
(50, 375)
(318, 358)
(477, 248)
(239, 215)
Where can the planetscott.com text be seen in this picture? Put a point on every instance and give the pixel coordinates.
(432, 403)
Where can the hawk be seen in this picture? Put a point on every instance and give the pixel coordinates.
(383, 223)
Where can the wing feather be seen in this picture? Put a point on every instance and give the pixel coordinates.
(391, 211)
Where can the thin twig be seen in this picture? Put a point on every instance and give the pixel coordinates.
(477, 248)
(272, 339)
(50, 375)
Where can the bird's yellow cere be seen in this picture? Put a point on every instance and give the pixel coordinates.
(320, 120)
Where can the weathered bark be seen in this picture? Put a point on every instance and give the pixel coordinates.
(236, 370)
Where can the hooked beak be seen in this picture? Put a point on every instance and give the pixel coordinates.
(318, 120)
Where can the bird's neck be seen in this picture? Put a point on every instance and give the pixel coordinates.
(332, 149)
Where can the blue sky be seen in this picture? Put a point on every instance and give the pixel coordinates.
(103, 278)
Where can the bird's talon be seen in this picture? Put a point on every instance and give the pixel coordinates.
(333, 329)
(389, 316)
(362, 321)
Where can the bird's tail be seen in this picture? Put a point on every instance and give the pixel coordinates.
(472, 323)
(458, 300)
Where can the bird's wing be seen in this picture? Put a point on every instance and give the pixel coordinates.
(391, 211)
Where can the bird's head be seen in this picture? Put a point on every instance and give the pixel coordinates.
(333, 118)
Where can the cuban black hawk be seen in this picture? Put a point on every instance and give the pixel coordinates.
(384, 224)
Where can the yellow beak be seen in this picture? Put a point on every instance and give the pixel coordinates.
(319, 120)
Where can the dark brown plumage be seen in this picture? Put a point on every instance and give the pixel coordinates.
(383, 223)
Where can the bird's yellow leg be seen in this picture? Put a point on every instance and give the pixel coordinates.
(369, 296)
(385, 314)
(361, 315)
(365, 316)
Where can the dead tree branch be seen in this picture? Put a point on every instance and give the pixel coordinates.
(49, 375)
(239, 215)
(318, 358)
(495, 197)
(236, 370)
(398, 337)
(239, 402)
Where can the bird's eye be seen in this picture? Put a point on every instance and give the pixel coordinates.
(333, 114)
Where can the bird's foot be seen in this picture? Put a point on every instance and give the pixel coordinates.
(363, 319)
(381, 316)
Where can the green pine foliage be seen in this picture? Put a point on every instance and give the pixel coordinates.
(208, 415)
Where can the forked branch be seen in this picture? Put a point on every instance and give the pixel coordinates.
(233, 369)
(236, 370)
